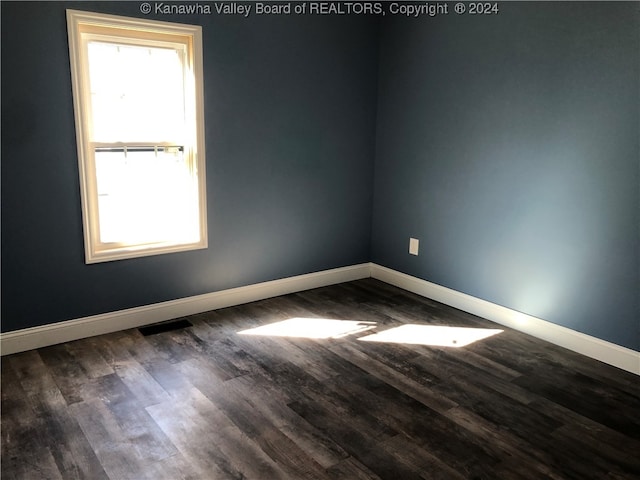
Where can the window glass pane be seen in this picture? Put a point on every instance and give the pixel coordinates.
(137, 92)
(145, 197)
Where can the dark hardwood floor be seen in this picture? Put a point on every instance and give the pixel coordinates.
(206, 402)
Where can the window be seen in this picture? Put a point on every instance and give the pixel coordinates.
(138, 101)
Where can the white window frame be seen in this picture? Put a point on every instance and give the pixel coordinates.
(83, 25)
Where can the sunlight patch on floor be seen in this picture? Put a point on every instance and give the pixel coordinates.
(311, 328)
(434, 335)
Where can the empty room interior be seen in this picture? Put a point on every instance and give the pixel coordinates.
(320, 240)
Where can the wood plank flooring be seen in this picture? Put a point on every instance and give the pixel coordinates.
(206, 402)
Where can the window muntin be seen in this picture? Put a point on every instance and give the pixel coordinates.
(139, 122)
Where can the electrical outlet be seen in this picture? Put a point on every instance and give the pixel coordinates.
(414, 244)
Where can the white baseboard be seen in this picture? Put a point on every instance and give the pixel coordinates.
(593, 347)
(37, 337)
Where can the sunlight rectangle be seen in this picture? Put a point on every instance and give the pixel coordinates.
(311, 328)
(433, 335)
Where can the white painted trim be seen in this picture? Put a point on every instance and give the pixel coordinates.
(37, 337)
(593, 347)
(84, 27)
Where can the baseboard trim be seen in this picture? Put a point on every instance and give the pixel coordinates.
(593, 347)
(46, 335)
(38, 337)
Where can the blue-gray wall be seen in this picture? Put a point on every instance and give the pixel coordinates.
(290, 123)
(508, 145)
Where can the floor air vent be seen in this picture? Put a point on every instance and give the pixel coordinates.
(164, 327)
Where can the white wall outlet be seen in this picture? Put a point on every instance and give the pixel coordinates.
(414, 244)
